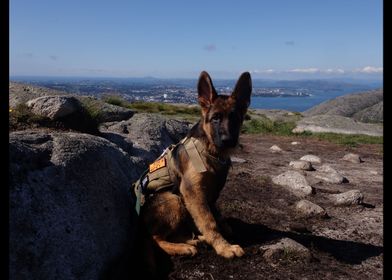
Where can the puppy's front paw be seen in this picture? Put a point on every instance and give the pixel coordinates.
(184, 250)
(229, 251)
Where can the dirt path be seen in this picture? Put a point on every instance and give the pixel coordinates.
(347, 245)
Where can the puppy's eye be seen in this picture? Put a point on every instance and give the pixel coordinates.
(216, 117)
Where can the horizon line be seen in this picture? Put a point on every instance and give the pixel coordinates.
(378, 79)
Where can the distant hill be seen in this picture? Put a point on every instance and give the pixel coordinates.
(364, 107)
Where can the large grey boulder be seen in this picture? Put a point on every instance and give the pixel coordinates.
(71, 212)
(47, 106)
(54, 107)
(149, 133)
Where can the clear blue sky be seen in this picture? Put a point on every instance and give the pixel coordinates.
(129, 38)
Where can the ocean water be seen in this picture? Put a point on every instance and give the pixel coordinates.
(184, 90)
(296, 104)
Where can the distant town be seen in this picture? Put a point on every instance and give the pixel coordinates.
(185, 90)
(151, 90)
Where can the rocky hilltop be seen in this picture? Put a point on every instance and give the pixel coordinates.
(71, 210)
(296, 205)
(359, 113)
(364, 107)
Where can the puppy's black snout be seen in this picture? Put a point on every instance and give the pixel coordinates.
(227, 141)
(226, 138)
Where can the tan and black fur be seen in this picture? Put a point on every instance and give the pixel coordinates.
(175, 217)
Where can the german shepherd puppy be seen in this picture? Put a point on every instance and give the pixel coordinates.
(180, 218)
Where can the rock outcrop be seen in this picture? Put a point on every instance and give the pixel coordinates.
(54, 103)
(372, 114)
(337, 124)
(54, 107)
(150, 134)
(351, 104)
(71, 212)
(359, 113)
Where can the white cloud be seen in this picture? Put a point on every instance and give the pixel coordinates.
(304, 70)
(264, 71)
(334, 71)
(369, 69)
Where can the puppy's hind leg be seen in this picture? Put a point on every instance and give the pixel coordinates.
(173, 249)
(167, 218)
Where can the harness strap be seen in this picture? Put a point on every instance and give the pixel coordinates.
(194, 154)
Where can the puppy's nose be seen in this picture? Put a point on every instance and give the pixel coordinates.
(226, 138)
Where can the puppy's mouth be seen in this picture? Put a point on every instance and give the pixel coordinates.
(226, 144)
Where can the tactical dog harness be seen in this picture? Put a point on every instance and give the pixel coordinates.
(159, 176)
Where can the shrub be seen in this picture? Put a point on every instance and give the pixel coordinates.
(267, 126)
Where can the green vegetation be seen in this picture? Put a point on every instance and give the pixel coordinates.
(254, 122)
(21, 117)
(349, 139)
(116, 100)
(92, 108)
(264, 125)
(181, 111)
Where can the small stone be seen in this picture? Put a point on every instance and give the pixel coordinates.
(311, 158)
(285, 249)
(330, 175)
(294, 181)
(275, 148)
(348, 198)
(310, 209)
(294, 143)
(301, 165)
(354, 158)
(238, 160)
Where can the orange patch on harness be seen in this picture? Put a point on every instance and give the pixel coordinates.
(157, 164)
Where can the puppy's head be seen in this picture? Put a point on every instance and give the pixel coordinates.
(222, 115)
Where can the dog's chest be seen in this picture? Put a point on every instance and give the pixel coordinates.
(214, 183)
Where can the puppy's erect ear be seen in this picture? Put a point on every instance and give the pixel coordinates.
(242, 92)
(206, 90)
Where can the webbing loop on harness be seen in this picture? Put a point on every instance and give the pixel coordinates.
(194, 156)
